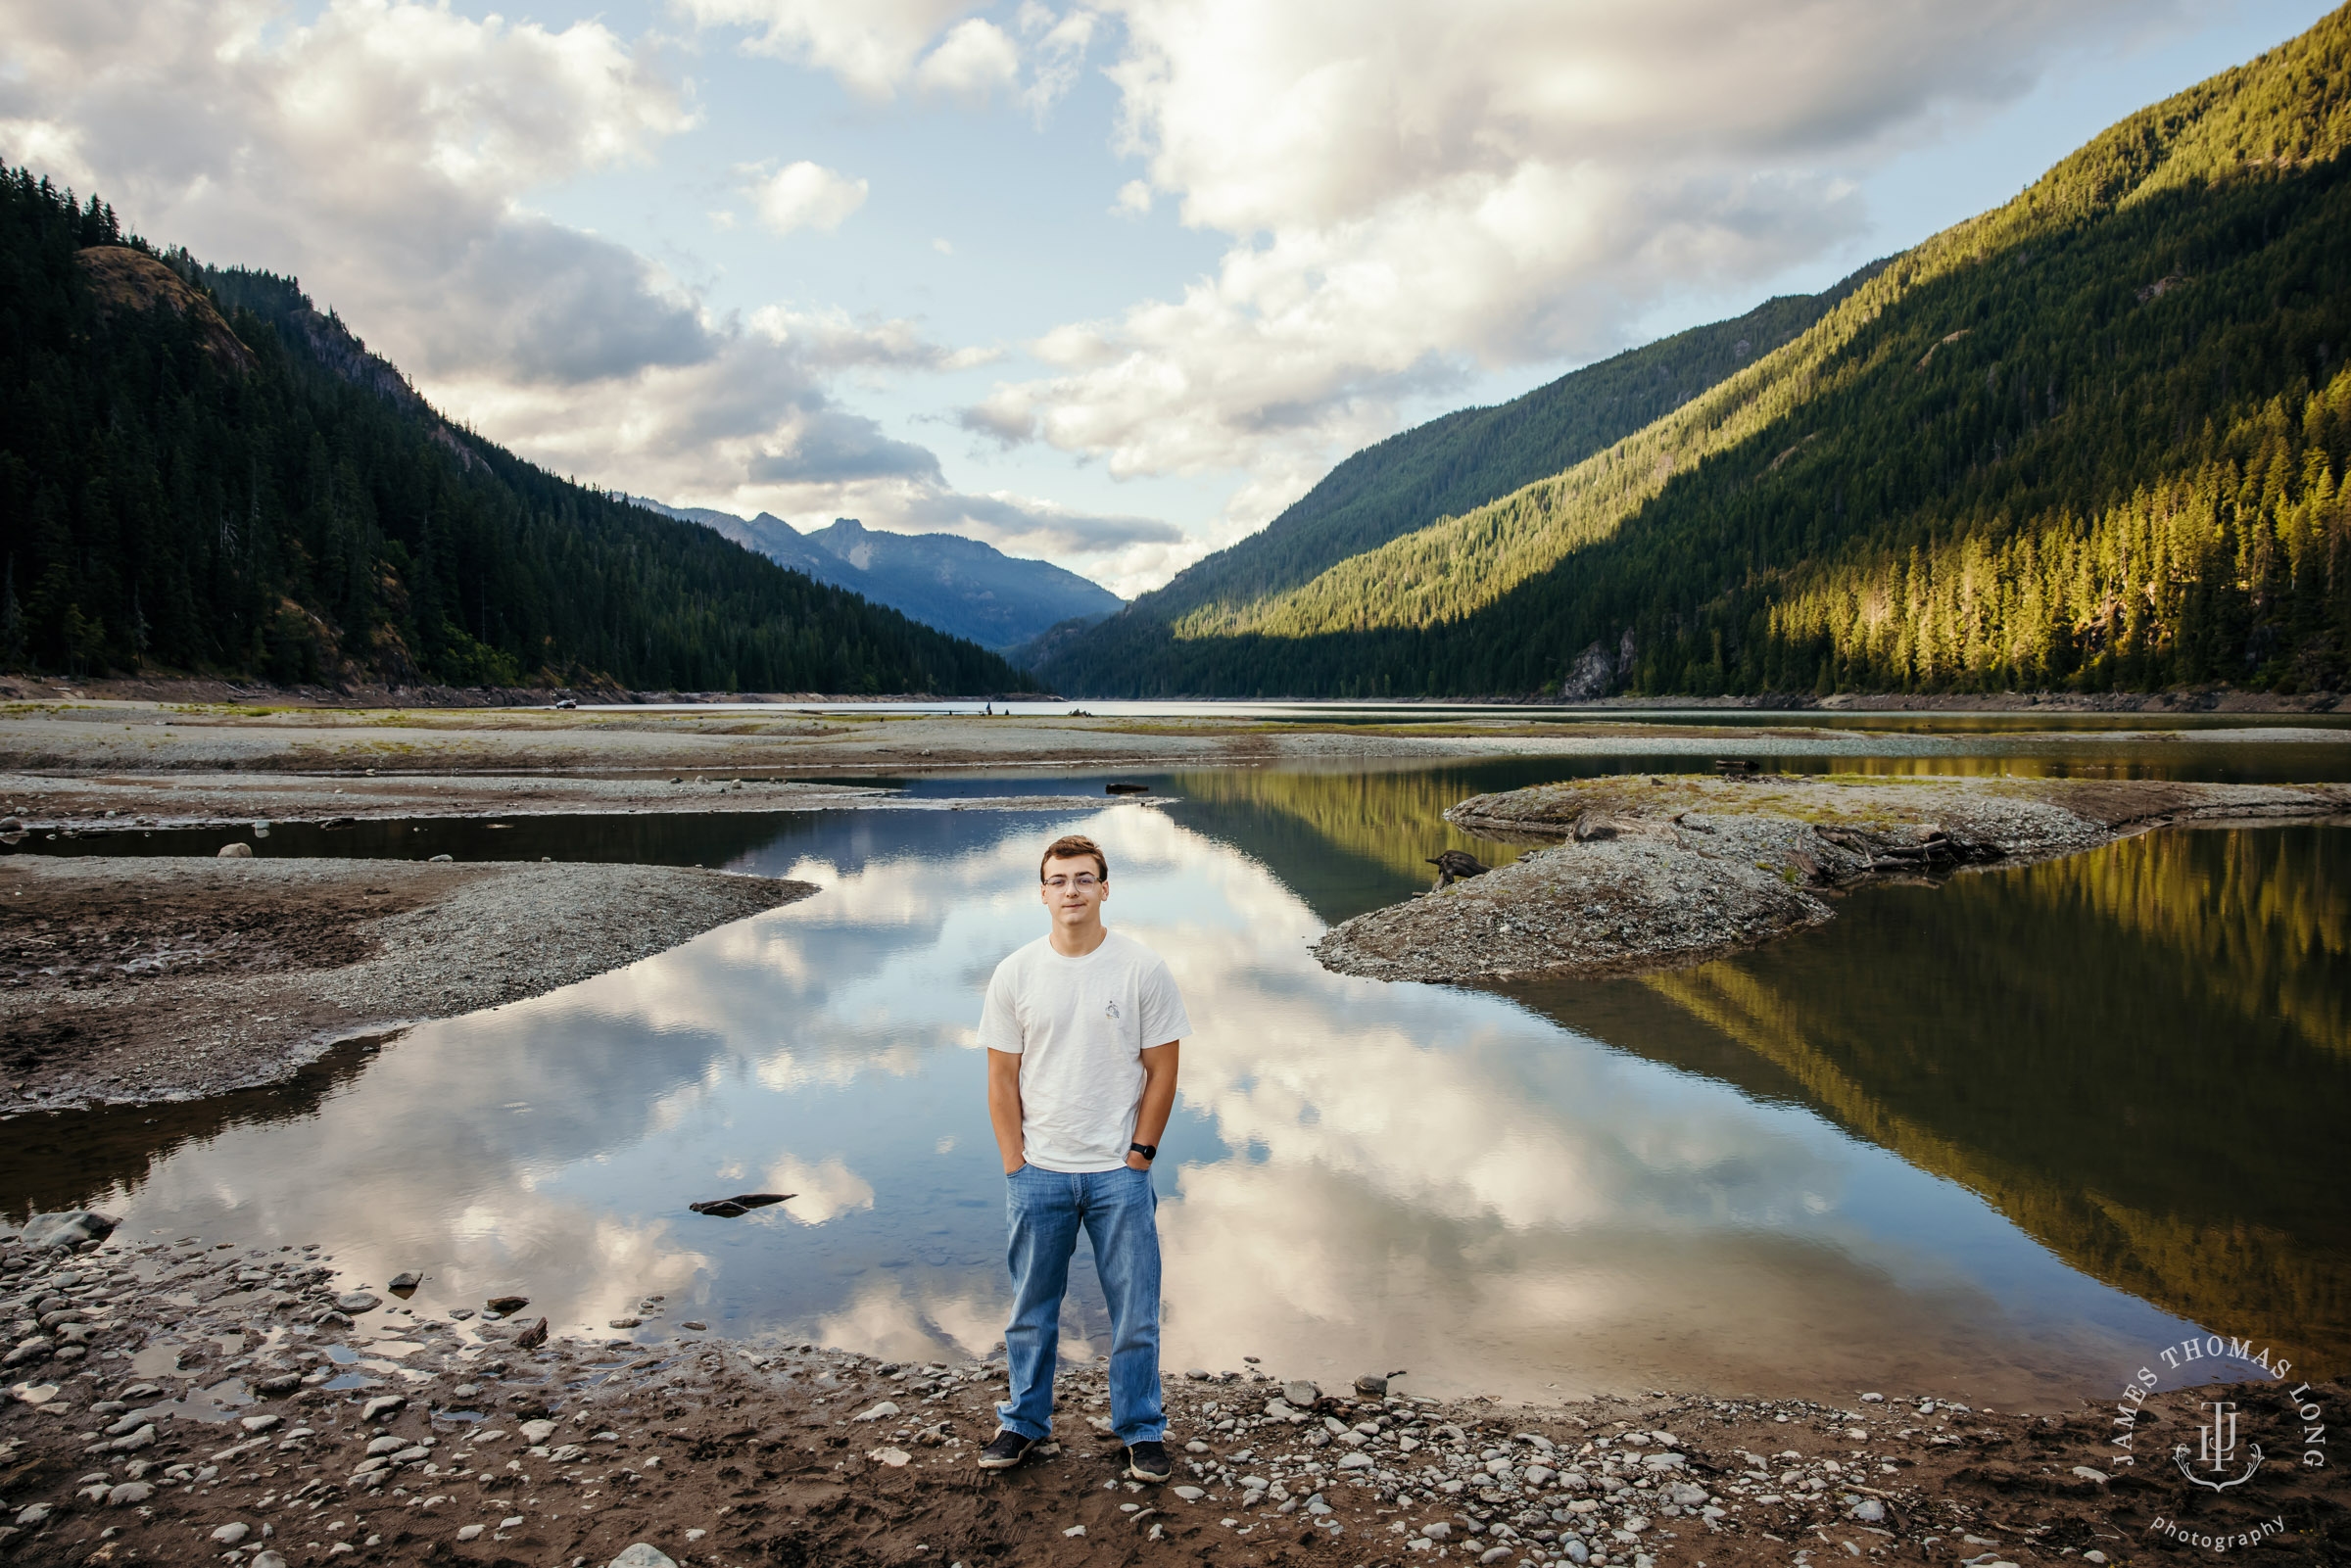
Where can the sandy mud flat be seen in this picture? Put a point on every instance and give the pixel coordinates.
(71, 762)
(174, 1401)
(131, 980)
(1646, 873)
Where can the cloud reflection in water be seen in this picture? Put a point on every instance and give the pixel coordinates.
(1360, 1178)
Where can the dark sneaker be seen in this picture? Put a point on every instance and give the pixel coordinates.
(1147, 1461)
(1008, 1450)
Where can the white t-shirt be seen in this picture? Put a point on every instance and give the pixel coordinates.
(1079, 1027)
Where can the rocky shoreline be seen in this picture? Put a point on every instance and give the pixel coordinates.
(127, 980)
(1645, 873)
(62, 760)
(174, 1401)
(197, 689)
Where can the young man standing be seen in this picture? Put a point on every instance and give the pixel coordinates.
(1081, 1028)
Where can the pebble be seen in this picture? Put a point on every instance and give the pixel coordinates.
(266, 1559)
(1188, 1493)
(359, 1301)
(1075, 1530)
(1301, 1395)
(894, 1457)
(382, 1405)
(236, 851)
(228, 1534)
(407, 1280)
(885, 1407)
(469, 1532)
(537, 1431)
(2085, 1473)
(127, 1493)
(1869, 1511)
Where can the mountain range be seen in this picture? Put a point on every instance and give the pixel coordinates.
(960, 586)
(201, 473)
(2095, 438)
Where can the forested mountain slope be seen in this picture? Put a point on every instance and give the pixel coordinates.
(2093, 438)
(1446, 466)
(201, 474)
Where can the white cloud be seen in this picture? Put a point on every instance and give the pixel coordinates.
(974, 60)
(871, 47)
(1413, 188)
(376, 150)
(805, 195)
(1057, 53)
(879, 46)
(382, 151)
(1135, 199)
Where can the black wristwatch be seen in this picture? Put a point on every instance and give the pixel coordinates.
(1149, 1151)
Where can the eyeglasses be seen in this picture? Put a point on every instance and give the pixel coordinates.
(1085, 881)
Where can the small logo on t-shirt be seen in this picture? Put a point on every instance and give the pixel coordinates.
(1110, 1010)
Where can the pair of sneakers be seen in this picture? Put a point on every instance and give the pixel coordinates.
(1145, 1461)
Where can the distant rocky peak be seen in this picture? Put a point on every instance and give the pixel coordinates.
(848, 539)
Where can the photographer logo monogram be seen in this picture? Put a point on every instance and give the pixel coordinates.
(2229, 1448)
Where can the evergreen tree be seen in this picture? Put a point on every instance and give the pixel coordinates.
(2093, 439)
(201, 474)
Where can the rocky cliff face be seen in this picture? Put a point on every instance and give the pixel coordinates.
(121, 278)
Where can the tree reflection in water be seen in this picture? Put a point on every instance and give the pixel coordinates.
(2141, 1056)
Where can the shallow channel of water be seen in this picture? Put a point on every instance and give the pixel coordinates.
(1993, 1139)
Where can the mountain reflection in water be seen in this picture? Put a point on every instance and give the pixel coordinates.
(2140, 1056)
(1989, 1140)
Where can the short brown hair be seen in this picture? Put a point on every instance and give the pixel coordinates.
(1071, 846)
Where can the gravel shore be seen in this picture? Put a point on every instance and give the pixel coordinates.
(124, 980)
(178, 1402)
(1648, 873)
(148, 752)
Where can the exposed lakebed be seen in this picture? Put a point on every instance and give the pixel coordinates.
(1991, 1138)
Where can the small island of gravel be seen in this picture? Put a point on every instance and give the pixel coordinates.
(132, 980)
(1641, 873)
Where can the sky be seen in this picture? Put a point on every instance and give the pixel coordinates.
(1105, 285)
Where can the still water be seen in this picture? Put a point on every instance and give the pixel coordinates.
(1993, 1139)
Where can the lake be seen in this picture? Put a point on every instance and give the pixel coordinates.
(1993, 1140)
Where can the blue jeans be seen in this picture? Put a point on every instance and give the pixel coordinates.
(1043, 1211)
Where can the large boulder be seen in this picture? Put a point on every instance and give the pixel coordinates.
(68, 1228)
(641, 1555)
